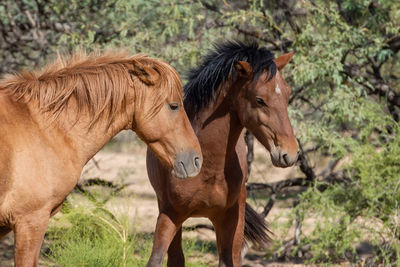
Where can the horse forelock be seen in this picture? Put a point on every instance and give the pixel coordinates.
(167, 85)
(99, 84)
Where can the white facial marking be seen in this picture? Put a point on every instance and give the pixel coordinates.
(277, 89)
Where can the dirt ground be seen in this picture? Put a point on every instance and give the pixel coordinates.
(138, 201)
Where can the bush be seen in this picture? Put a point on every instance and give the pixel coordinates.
(93, 236)
(364, 208)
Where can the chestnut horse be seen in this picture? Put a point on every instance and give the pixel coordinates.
(236, 86)
(53, 121)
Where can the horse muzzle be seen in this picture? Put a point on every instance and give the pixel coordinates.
(187, 164)
(283, 159)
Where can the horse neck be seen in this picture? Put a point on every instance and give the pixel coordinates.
(218, 127)
(79, 141)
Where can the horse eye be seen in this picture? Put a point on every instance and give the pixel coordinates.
(261, 102)
(174, 106)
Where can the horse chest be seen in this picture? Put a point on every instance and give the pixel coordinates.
(31, 180)
(5, 173)
(203, 195)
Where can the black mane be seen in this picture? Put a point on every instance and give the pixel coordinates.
(218, 65)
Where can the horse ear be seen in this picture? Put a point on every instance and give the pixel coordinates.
(146, 74)
(283, 60)
(243, 68)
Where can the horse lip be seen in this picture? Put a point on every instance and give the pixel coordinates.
(281, 160)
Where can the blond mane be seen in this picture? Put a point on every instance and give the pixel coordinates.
(98, 83)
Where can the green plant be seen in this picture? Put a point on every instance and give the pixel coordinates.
(88, 234)
(94, 237)
(363, 208)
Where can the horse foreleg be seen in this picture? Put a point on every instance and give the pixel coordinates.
(229, 229)
(29, 231)
(165, 232)
(175, 251)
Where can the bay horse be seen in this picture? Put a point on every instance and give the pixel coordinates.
(54, 120)
(236, 86)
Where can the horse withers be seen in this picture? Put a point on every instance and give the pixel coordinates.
(53, 121)
(236, 86)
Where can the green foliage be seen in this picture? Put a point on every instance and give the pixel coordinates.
(365, 207)
(352, 125)
(94, 237)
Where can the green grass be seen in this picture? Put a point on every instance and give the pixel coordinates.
(94, 237)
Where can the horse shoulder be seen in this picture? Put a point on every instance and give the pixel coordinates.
(35, 172)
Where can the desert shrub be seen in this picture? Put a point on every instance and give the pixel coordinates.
(364, 208)
(93, 236)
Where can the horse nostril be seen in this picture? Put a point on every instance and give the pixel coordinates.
(182, 167)
(285, 158)
(197, 162)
